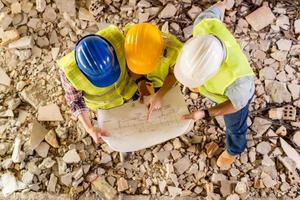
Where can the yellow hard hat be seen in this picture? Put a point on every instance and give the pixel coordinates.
(143, 48)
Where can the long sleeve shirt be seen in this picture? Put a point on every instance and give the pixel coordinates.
(73, 97)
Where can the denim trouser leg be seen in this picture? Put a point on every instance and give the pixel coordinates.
(236, 130)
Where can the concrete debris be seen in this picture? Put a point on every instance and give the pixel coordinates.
(9, 184)
(42, 149)
(277, 91)
(17, 155)
(103, 189)
(50, 137)
(260, 18)
(49, 112)
(276, 113)
(297, 26)
(71, 156)
(260, 125)
(58, 155)
(67, 6)
(296, 138)
(9, 36)
(263, 148)
(182, 165)
(289, 113)
(240, 188)
(122, 184)
(37, 134)
(233, 197)
(211, 149)
(284, 44)
(168, 12)
(4, 78)
(40, 5)
(290, 152)
(52, 183)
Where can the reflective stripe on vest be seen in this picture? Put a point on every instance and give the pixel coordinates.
(234, 66)
(102, 97)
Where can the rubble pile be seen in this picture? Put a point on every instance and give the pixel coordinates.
(44, 151)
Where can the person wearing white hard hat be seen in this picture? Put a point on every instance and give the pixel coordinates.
(213, 64)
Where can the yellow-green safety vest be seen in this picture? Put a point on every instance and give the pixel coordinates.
(102, 97)
(234, 66)
(171, 51)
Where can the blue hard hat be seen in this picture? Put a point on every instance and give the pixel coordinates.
(97, 60)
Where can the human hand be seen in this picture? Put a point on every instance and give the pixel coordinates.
(154, 103)
(97, 133)
(145, 89)
(195, 115)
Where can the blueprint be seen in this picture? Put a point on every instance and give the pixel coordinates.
(131, 131)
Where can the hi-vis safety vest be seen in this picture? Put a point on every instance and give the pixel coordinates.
(234, 66)
(168, 59)
(102, 97)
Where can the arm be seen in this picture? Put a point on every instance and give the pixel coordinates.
(155, 102)
(224, 108)
(168, 84)
(75, 100)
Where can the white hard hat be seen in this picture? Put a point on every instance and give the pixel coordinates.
(199, 60)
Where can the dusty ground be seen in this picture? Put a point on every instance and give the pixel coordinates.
(35, 33)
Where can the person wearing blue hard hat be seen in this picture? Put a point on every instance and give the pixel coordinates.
(94, 76)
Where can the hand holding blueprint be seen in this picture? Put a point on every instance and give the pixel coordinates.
(130, 130)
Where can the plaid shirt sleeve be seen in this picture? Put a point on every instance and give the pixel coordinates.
(74, 97)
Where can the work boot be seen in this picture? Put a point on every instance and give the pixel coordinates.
(225, 159)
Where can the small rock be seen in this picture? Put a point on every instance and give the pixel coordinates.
(47, 163)
(66, 179)
(42, 42)
(67, 6)
(40, 5)
(281, 131)
(194, 12)
(263, 12)
(284, 44)
(290, 152)
(42, 149)
(84, 14)
(27, 177)
(17, 155)
(168, 12)
(52, 183)
(277, 91)
(51, 139)
(37, 134)
(297, 26)
(9, 36)
(276, 113)
(267, 180)
(233, 197)
(267, 73)
(296, 138)
(162, 185)
(240, 188)
(15, 8)
(174, 191)
(4, 78)
(4, 147)
(50, 16)
(122, 184)
(22, 43)
(182, 165)
(211, 149)
(263, 148)
(260, 125)
(215, 178)
(10, 185)
(177, 143)
(187, 31)
(103, 189)
(267, 161)
(71, 156)
(49, 112)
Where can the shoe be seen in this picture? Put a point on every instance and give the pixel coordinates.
(225, 159)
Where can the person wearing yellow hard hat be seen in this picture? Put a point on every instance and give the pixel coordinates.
(213, 64)
(150, 56)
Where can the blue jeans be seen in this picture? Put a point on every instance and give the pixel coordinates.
(236, 130)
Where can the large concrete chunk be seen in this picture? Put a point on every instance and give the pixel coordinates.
(71, 157)
(22, 43)
(260, 18)
(49, 112)
(277, 91)
(37, 134)
(67, 6)
(290, 152)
